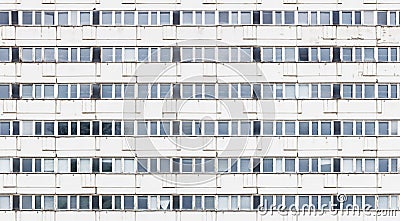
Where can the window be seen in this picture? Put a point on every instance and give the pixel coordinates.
(383, 54)
(209, 202)
(304, 128)
(278, 18)
(63, 55)
(84, 202)
(4, 128)
(26, 165)
(325, 128)
(5, 165)
(325, 18)
(326, 91)
(289, 18)
(49, 55)
(85, 55)
(382, 18)
(4, 91)
(289, 165)
(26, 18)
(369, 91)
(85, 18)
(62, 18)
(325, 54)
(326, 165)
(27, 54)
(289, 128)
(370, 165)
(303, 18)
(48, 91)
(347, 91)
(246, 18)
(346, 18)
(347, 128)
(289, 54)
(107, 55)
(369, 54)
(4, 18)
(304, 165)
(187, 202)
(347, 54)
(106, 18)
(223, 18)
(4, 55)
(48, 18)
(383, 91)
(49, 202)
(267, 17)
(4, 201)
(209, 18)
(303, 54)
(143, 18)
(393, 54)
(369, 17)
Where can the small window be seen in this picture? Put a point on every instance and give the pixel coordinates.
(187, 18)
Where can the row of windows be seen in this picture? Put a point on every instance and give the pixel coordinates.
(199, 165)
(200, 54)
(196, 202)
(159, 18)
(201, 91)
(199, 128)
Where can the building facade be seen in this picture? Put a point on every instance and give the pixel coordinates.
(199, 110)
